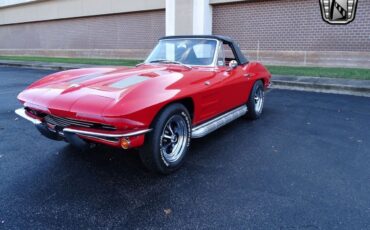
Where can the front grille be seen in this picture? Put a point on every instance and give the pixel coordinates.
(65, 122)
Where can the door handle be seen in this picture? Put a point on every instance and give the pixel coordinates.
(247, 75)
(207, 83)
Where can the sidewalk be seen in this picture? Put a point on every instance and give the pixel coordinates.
(313, 84)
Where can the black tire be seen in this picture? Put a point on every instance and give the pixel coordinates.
(154, 154)
(254, 108)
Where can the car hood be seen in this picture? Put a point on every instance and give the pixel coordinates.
(91, 91)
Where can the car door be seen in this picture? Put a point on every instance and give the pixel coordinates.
(235, 81)
(218, 88)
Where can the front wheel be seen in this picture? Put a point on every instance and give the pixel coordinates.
(256, 101)
(166, 146)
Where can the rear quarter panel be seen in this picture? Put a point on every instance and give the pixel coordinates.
(258, 71)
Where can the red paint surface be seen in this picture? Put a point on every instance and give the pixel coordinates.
(88, 94)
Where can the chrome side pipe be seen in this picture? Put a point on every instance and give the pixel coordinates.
(216, 123)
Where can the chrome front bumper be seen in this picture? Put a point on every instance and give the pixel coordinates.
(22, 113)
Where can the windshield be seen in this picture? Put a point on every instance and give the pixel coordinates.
(187, 51)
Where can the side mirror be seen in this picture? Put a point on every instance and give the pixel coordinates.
(233, 64)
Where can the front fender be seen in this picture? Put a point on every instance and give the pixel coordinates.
(142, 103)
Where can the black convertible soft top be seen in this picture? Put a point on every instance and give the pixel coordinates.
(241, 59)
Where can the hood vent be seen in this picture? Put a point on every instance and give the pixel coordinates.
(130, 81)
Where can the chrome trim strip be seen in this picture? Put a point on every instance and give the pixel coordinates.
(97, 134)
(217, 122)
(22, 113)
(99, 138)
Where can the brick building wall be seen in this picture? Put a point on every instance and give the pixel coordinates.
(129, 35)
(288, 30)
(291, 25)
(281, 32)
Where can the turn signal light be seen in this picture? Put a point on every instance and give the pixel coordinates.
(125, 143)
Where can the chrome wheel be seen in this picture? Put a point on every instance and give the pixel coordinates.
(258, 100)
(173, 140)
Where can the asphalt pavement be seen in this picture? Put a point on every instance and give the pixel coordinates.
(304, 165)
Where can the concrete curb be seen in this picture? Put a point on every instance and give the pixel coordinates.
(323, 85)
(302, 83)
(322, 88)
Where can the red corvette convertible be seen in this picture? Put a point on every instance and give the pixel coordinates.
(188, 87)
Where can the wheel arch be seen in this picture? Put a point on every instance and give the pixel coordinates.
(263, 80)
(254, 82)
(188, 102)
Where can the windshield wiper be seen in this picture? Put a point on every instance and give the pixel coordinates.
(170, 62)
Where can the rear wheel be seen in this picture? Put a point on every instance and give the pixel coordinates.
(256, 101)
(166, 146)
